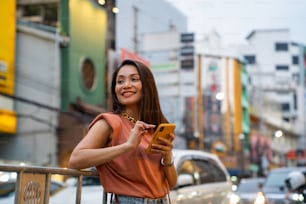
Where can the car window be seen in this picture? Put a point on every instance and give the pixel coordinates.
(276, 179)
(202, 171)
(188, 167)
(248, 186)
(209, 171)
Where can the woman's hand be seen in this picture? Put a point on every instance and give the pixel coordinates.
(164, 145)
(137, 132)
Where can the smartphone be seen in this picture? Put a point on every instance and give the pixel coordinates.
(163, 130)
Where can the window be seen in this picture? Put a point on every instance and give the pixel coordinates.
(285, 106)
(187, 64)
(282, 67)
(250, 59)
(295, 60)
(46, 13)
(202, 171)
(88, 73)
(187, 51)
(281, 46)
(286, 119)
(188, 167)
(209, 172)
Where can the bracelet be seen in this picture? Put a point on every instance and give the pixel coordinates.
(167, 165)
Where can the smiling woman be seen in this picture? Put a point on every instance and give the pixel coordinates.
(119, 139)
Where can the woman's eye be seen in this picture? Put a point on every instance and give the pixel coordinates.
(120, 81)
(135, 79)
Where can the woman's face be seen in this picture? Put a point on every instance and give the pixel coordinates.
(128, 86)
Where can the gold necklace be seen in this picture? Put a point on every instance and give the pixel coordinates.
(130, 118)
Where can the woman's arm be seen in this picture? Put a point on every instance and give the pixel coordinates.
(169, 168)
(92, 150)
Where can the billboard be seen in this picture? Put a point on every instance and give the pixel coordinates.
(7, 46)
(8, 118)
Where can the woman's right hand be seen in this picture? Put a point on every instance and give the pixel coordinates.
(137, 132)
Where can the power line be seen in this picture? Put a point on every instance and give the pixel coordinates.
(34, 103)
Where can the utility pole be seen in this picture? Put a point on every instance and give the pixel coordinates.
(135, 38)
(227, 121)
(200, 105)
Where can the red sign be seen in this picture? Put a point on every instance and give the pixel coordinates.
(126, 54)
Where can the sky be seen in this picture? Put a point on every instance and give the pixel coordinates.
(235, 19)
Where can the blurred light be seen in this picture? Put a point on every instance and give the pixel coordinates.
(4, 178)
(234, 178)
(278, 133)
(260, 198)
(220, 96)
(296, 197)
(7, 176)
(101, 2)
(115, 10)
(234, 199)
(234, 187)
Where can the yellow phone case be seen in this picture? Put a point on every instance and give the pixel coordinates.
(163, 130)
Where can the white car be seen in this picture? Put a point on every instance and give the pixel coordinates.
(202, 179)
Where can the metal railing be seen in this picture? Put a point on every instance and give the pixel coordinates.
(33, 182)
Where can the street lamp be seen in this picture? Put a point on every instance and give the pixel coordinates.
(110, 4)
(278, 133)
(220, 96)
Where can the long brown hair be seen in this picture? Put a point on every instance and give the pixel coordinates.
(150, 110)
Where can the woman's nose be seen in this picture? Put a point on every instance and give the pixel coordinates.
(127, 84)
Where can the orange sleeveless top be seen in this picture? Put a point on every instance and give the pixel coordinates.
(134, 173)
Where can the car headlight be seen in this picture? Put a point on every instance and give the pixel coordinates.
(260, 198)
(297, 197)
(234, 198)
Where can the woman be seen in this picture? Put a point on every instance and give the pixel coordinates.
(116, 142)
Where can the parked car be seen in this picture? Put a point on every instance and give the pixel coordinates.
(249, 190)
(274, 187)
(202, 178)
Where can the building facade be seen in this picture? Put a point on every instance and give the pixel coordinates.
(60, 70)
(276, 67)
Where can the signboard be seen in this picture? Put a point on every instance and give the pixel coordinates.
(8, 119)
(7, 46)
(187, 51)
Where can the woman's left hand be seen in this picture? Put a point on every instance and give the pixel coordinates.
(164, 145)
